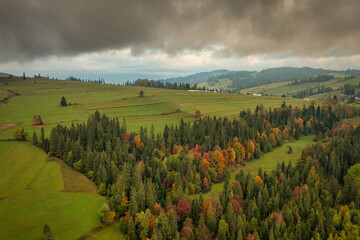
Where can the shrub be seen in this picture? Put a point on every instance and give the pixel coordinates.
(20, 134)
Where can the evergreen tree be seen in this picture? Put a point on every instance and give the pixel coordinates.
(47, 235)
(34, 139)
(63, 102)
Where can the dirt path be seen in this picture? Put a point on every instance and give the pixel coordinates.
(12, 94)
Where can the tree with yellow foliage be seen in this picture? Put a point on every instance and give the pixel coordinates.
(250, 149)
(220, 162)
(231, 154)
(272, 139)
(239, 150)
(137, 142)
(206, 164)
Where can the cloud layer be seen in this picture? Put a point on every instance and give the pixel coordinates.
(40, 28)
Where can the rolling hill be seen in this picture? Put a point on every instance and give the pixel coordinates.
(237, 80)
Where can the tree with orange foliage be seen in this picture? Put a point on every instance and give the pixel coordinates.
(37, 120)
(250, 149)
(206, 164)
(258, 180)
(124, 204)
(300, 123)
(127, 137)
(205, 184)
(220, 162)
(226, 157)
(137, 142)
(231, 154)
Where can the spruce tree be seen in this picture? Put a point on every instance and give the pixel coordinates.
(63, 102)
(34, 139)
(47, 235)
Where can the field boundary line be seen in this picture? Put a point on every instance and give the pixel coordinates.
(7, 155)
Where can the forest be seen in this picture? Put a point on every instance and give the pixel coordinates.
(149, 178)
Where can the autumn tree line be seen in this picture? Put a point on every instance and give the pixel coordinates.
(148, 178)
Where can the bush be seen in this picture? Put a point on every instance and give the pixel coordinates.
(102, 189)
(20, 134)
(106, 215)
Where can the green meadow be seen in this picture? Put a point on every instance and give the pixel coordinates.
(34, 193)
(158, 106)
(111, 232)
(267, 162)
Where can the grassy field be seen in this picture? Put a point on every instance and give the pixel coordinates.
(19, 164)
(264, 88)
(267, 162)
(111, 232)
(34, 193)
(158, 107)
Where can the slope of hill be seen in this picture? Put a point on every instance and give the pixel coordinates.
(34, 191)
(196, 78)
(237, 80)
(4, 74)
(291, 88)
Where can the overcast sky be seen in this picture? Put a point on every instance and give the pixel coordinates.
(129, 39)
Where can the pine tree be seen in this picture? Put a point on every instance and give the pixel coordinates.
(34, 139)
(63, 102)
(223, 230)
(131, 229)
(47, 235)
(173, 224)
(211, 219)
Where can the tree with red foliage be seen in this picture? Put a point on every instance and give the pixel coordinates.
(183, 209)
(197, 113)
(296, 192)
(186, 232)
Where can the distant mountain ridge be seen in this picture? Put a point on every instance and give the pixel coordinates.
(5, 74)
(245, 79)
(197, 77)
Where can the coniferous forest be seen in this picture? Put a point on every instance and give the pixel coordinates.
(150, 179)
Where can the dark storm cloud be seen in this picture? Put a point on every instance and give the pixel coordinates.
(37, 28)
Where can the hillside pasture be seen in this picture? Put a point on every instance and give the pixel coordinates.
(33, 194)
(157, 107)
